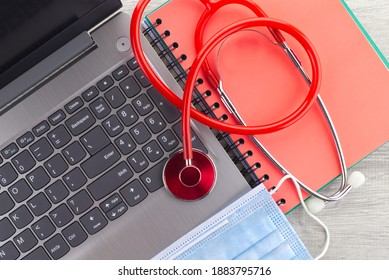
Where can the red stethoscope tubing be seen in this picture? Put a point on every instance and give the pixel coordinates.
(211, 9)
(185, 104)
(222, 35)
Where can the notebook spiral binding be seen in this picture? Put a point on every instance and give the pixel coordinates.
(173, 60)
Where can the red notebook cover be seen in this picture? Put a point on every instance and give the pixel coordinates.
(264, 86)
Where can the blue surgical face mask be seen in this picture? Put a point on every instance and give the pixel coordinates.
(251, 228)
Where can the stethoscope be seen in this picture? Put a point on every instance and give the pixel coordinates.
(191, 174)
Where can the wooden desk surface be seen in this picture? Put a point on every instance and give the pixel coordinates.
(359, 224)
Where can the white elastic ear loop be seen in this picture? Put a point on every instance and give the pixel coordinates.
(298, 189)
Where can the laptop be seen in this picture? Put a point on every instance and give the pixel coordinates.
(84, 138)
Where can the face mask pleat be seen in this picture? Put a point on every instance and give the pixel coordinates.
(267, 246)
(282, 252)
(235, 238)
(253, 227)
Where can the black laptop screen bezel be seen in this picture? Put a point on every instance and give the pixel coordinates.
(88, 21)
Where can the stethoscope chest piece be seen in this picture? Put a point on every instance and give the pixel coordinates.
(189, 182)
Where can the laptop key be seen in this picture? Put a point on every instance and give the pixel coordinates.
(94, 221)
(90, 94)
(128, 115)
(113, 126)
(9, 252)
(80, 122)
(170, 112)
(105, 83)
(117, 212)
(168, 141)
(74, 105)
(6, 203)
(7, 174)
(9, 151)
(56, 166)
(57, 192)
(43, 228)
(152, 179)
(41, 149)
(75, 179)
(23, 162)
(110, 181)
(155, 123)
(100, 108)
(101, 161)
(41, 128)
(133, 63)
(21, 217)
(111, 203)
(125, 144)
(57, 247)
(140, 133)
(133, 193)
(153, 151)
(80, 202)
(20, 191)
(120, 73)
(61, 215)
(38, 254)
(142, 79)
(25, 240)
(143, 105)
(95, 140)
(74, 234)
(59, 137)
(138, 161)
(74, 153)
(38, 178)
(57, 117)
(6, 229)
(25, 140)
(130, 87)
(115, 98)
(39, 204)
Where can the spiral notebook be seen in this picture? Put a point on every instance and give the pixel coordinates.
(355, 87)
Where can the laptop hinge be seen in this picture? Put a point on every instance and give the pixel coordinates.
(43, 71)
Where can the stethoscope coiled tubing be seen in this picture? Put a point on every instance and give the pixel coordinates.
(190, 174)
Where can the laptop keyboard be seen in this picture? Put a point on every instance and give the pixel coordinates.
(85, 165)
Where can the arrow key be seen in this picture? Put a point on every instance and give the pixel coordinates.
(111, 203)
(117, 211)
(133, 193)
(94, 221)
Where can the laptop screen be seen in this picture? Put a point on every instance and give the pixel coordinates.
(32, 29)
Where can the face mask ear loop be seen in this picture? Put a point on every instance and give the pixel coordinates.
(298, 189)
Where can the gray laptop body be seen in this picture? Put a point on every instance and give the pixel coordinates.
(60, 77)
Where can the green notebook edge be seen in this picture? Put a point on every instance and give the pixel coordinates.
(386, 63)
(365, 33)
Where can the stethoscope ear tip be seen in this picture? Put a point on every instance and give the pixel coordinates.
(356, 179)
(315, 205)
